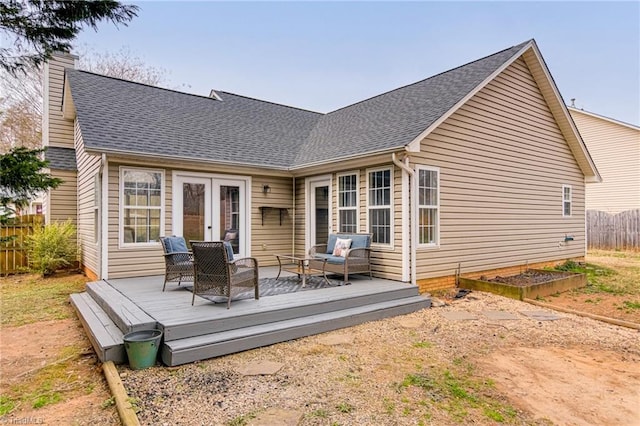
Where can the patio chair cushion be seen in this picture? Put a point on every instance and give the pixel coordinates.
(175, 245)
(229, 248)
(336, 260)
(357, 241)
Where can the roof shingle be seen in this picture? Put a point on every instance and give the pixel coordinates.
(121, 116)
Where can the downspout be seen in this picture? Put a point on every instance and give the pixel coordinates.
(412, 213)
(104, 218)
(293, 219)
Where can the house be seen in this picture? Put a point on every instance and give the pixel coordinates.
(473, 170)
(612, 206)
(615, 147)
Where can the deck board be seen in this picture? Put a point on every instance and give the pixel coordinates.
(206, 329)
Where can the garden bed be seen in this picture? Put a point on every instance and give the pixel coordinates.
(531, 284)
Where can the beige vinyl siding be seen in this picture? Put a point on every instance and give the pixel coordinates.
(88, 168)
(57, 131)
(62, 201)
(503, 161)
(615, 148)
(134, 261)
(271, 237)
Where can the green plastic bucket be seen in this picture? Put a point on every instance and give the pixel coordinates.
(142, 348)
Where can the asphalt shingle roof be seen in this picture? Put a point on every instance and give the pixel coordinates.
(61, 158)
(121, 116)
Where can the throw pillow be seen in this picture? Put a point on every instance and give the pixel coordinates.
(342, 246)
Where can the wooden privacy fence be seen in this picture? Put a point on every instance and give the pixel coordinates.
(618, 232)
(13, 254)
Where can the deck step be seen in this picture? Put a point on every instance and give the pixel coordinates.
(289, 308)
(104, 334)
(191, 349)
(122, 311)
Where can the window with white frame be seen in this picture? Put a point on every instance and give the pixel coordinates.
(348, 203)
(379, 205)
(141, 199)
(566, 200)
(428, 205)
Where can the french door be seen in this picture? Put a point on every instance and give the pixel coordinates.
(211, 209)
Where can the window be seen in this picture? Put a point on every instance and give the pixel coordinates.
(142, 199)
(379, 205)
(348, 203)
(428, 205)
(566, 200)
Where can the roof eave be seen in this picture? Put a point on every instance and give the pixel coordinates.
(602, 117)
(140, 154)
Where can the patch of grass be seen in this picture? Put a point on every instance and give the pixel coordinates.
(345, 407)
(600, 279)
(109, 402)
(389, 406)
(423, 345)
(456, 391)
(320, 413)
(26, 299)
(6, 405)
(631, 305)
(241, 420)
(53, 383)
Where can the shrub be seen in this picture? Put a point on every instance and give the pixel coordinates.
(51, 247)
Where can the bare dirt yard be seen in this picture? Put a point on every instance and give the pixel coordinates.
(49, 372)
(613, 288)
(415, 369)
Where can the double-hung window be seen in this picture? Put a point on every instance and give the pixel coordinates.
(348, 202)
(379, 199)
(428, 205)
(141, 195)
(566, 200)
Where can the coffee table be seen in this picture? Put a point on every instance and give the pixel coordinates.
(299, 265)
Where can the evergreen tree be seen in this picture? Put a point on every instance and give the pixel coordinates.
(21, 178)
(39, 28)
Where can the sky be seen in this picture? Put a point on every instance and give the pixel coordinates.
(322, 56)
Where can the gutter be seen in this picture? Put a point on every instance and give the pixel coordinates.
(412, 213)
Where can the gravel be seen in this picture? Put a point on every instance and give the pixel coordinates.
(357, 380)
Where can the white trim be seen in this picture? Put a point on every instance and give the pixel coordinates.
(245, 216)
(307, 206)
(104, 226)
(214, 95)
(355, 173)
(155, 244)
(602, 117)
(414, 145)
(420, 167)
(570, 201)
(406, 223)
(391, 206)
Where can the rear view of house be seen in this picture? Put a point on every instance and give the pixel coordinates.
(476, 169)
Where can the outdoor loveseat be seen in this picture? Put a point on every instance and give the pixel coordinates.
(354, 259)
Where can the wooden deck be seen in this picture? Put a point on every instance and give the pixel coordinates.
(110, 309)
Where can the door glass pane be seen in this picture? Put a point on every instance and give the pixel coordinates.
(322, 214)
(230, 216)
(193, 211)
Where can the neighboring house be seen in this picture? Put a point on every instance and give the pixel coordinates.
(476, 169)
(615, 148)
